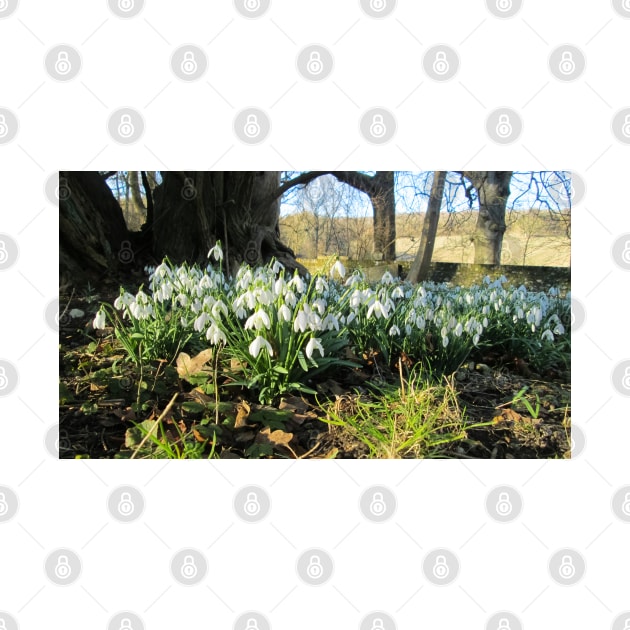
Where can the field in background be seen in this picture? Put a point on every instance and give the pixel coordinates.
(532, 238)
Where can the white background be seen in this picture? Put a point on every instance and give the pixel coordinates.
(567, 125)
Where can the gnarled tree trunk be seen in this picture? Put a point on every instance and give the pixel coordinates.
(188, 213)
(93, 236)
(493, 190)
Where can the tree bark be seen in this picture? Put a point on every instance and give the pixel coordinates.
(93, 236)
(420, 267)
(493, 190)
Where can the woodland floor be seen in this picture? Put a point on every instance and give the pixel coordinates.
(104, 405)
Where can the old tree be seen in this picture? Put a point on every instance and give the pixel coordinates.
(186, 214)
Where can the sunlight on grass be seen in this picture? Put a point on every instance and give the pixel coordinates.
(415, 420)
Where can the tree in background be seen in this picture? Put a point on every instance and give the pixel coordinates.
(420, 267)
(380, 188)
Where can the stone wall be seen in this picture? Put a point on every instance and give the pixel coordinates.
(534, 278)
(464, 274)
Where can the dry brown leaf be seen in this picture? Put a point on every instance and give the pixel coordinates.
(275, 438)
(242, 413)
(187, 365)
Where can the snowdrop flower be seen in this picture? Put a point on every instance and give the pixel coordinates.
(258, 320)
(123, 300)
(201, 321)
(259, 343)
(387, 278)
(394, 331)
(355, 278)
(290, 298)
(218, 308)
(476, 339)
(558, 330)
(264, 296)
(339, 269)
(321, 286)
(445, 341)
(320, 305)
(398, 293)
(99, 320)
(351, 317)
(216, 252)
(301, 321)
(459, 330)
(279, 286)
(297, 283)
(277, 267)
(284, 313)
(215, 335)
(312, 345)
(379, 310)
(330, 322)
(547, 336)
(181, 298)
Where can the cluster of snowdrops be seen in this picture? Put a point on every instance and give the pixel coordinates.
(283, 330)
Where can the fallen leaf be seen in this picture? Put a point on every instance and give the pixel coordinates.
(187, 366)
(275, 438)
(242, 413)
